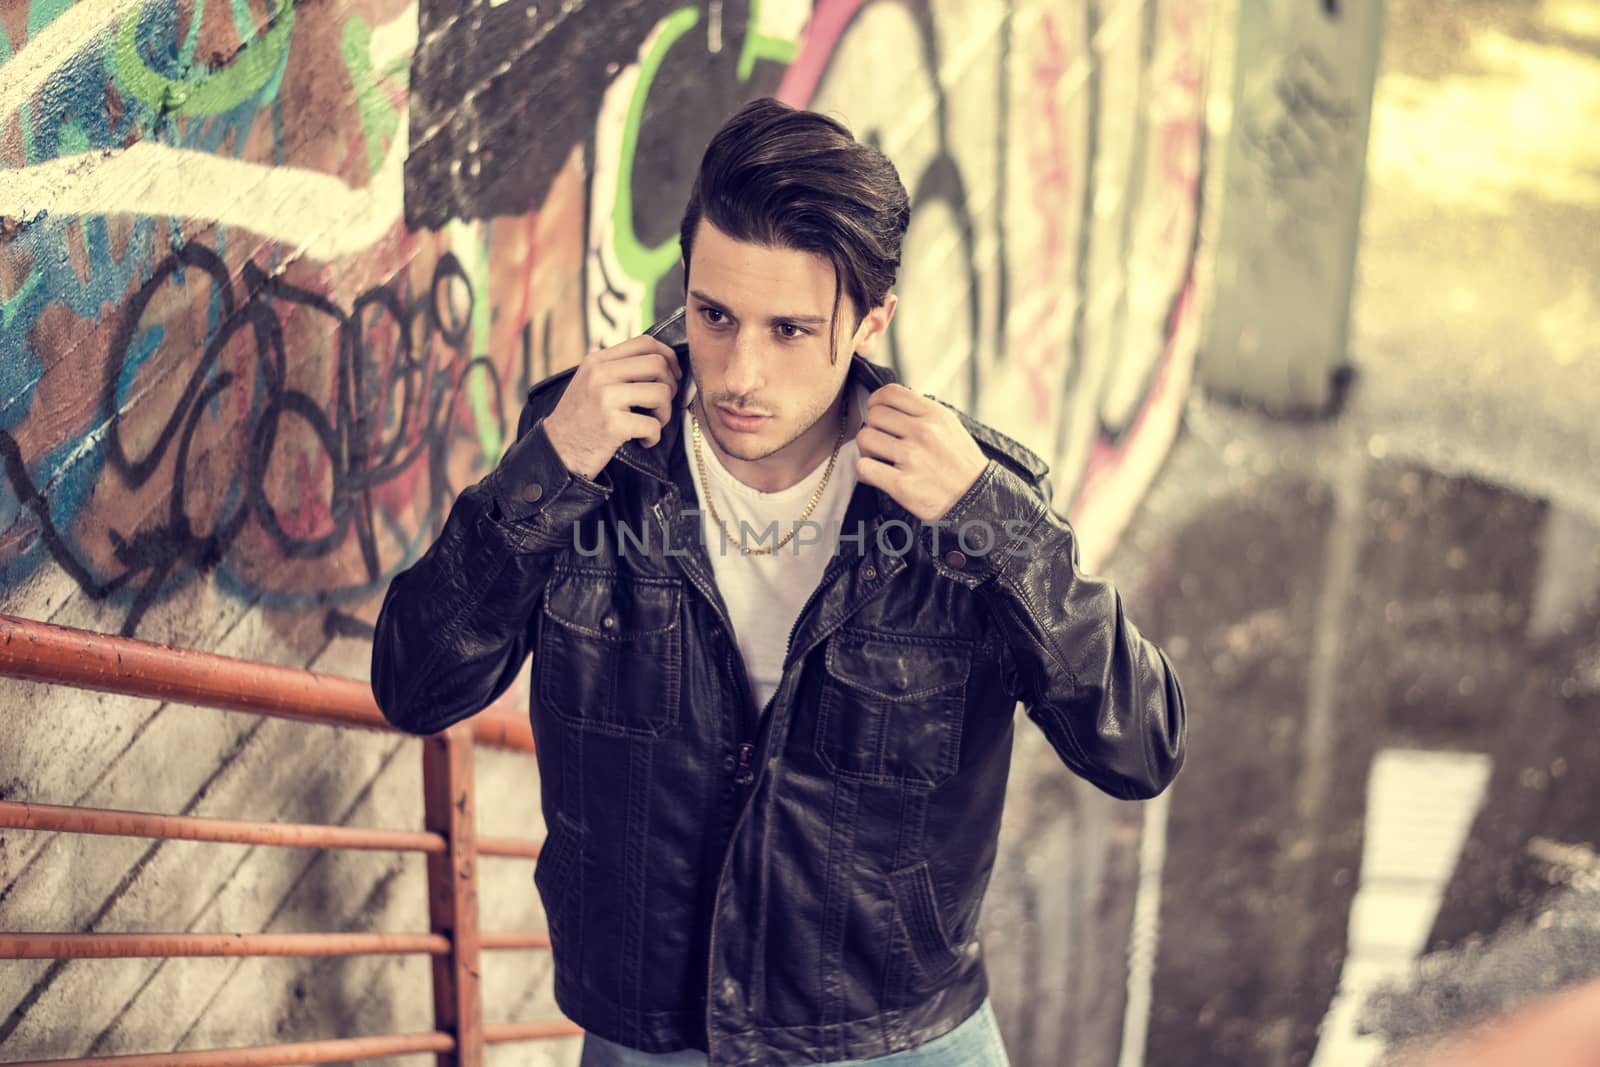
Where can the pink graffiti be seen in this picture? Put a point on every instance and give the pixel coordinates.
(1049, 164)
(828, 22)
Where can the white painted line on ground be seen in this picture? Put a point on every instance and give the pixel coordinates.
(1146, 932)
(1420, 806)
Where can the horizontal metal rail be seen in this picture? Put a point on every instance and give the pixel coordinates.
(21, 815)
(516, 848)
(506, 1032)
(32, 946)
(59, 655)
(507, 939)
(350, 1048)
(62, 655)
(121, 945)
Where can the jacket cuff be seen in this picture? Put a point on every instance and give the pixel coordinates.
(986, 528)
(531, 482)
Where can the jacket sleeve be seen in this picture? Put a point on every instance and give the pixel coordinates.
(453, 630)
(1106, 698)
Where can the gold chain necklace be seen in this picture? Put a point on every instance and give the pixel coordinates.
(700, 462)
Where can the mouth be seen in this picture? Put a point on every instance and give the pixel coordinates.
(738, 422)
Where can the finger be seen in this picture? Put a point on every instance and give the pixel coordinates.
(898, 397)
(892, 421)
(643, 428)
(634, 347)
(656, 397)
(642, 367)
(877, 474)
(879, 445)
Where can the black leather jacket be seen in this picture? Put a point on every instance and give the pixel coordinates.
(801, 884)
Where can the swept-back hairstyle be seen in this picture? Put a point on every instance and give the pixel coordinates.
(778, 176)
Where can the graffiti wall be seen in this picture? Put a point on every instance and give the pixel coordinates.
(275, 277)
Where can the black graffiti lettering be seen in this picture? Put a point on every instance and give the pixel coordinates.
(390, 408)
(137, 472)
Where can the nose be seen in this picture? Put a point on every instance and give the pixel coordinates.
(746, 374)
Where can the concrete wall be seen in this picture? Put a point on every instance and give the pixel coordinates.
(274, 278)
(1289, 218)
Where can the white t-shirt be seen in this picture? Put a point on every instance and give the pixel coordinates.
(765, 593)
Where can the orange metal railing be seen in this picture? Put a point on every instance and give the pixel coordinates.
(59, 655)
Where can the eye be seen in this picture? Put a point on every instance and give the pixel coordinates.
(712, 316)
(785, 327)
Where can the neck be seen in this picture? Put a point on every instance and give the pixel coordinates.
(785, 467)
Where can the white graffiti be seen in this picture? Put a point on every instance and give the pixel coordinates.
(311, 213)
(53, 48)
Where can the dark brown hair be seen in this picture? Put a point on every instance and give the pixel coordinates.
(777, 176)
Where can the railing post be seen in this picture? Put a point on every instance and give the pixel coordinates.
(448, 809)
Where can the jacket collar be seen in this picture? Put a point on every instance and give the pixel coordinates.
(663, 461)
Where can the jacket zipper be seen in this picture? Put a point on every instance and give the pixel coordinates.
(744, 775)
(744, 770)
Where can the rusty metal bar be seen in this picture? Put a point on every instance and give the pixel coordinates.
(497, 1035)
(115, 946)
(24, 815)
(448, 810)
(512, 847)
(502, 940)
(348, 1048)
(352, 1048)
(43, 652)
(20, 815)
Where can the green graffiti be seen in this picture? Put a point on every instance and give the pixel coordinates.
(477, 268)
(243, 22)
(190, 42)
(488, 423)
(40, 15)
(758, 45)
(43, 13)
(257, 66)
(379, 119)
(8, 308)
(71, 139)
(648, 265)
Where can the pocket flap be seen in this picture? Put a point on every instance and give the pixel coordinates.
(611, 608)
(897, 670)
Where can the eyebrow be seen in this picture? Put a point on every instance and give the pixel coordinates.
(806, 320)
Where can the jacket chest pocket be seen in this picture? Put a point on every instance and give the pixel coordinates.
(891, 708)
(609, 657)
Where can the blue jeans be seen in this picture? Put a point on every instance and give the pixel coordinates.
(974, 1043)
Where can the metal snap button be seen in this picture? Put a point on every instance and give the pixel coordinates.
(728, 762)
(609, 622)
(955, 559)
(533, 492)
(869, 572)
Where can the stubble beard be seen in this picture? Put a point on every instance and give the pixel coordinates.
(710, 425)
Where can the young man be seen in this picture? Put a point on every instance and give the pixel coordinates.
(781, 610)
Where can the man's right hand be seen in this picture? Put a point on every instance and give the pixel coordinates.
(595, 414)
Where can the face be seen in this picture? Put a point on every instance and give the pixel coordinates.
(758, 329)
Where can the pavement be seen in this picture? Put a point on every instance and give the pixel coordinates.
(1387, 620)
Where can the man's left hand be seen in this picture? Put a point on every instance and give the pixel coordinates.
(916, 450)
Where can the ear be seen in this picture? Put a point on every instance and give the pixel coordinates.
(874, 327)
